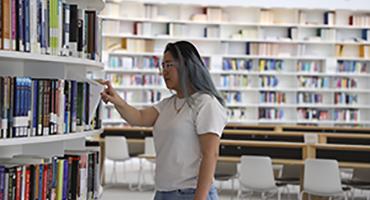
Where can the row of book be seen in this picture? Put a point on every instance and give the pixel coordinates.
(270, 113)
(49, 27)
(309, 98)
(359, 20)
(364, 51)
(352, 66)
(270, 65)
(237, 64)
(272, 97)
(232, 97)
(73, 176)
(142, 28)
(266, 49)
(236, 113)
(346, 83)
(234, 81)
(37, 107)
(309, 66)
(365, 34)
(268, 81)
(346, 115)
(135, 79)
(326, 34)
(147, 96)
(137, 45)
(312, 114)
(131, 62)
(212, 32)
(111, 113)
(313, 82)
(345, 98)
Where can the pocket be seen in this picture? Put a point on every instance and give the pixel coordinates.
(186, 192)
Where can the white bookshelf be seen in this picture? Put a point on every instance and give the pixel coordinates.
(14, 56)
(48, 138)
(292, 37)
(34, 65)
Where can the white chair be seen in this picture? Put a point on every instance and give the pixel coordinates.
(116, 149)
(322, 178)
(256, 175)
(149, 150)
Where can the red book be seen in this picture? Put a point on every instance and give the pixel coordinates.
(18, 189)
(44, 182)
(27, 189)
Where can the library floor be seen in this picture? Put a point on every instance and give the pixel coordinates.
(128, 173)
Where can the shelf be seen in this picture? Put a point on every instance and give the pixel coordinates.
(130, 53)
(282, 41)
(135, 70)
(113, 121)
(276, 121)
(22, 56)
(279, 105)
(337, 74)
(225, 23)
(353, 59)
(140, 87)
(47, 139)
(273, 57)
(89, 4)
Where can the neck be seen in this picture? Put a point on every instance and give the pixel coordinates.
(180, 94)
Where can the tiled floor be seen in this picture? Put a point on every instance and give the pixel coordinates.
(128, 173)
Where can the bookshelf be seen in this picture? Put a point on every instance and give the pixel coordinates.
(274, 65)
(48, 104)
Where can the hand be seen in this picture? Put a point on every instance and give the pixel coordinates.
(109, 94)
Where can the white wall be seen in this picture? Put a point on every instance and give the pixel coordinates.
(308, 4)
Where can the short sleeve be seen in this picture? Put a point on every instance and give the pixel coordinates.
(211, 117)
(162, 104)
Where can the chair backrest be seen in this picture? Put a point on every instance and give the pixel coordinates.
(361, 175)
(116, 148)
(256, 173)
(149, 146)
(322, 176)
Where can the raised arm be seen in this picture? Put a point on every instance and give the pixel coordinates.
(135, 117)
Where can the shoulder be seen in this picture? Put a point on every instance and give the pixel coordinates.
(206, 100)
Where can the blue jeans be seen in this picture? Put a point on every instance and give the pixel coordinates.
(184, 194)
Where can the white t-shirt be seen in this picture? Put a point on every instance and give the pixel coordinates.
(176, 138)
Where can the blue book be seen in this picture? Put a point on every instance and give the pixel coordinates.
(65, 180)
(247, 48)
(40, 180)
(34, 106)
(2, 182)
(26, 37)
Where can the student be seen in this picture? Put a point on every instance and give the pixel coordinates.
(186, 126)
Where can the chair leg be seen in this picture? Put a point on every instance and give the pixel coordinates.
(278, 194)
(232, 188)
(140, 174)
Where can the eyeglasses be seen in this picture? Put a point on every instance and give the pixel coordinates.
(166, 66)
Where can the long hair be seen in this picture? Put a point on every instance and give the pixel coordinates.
(191, 69)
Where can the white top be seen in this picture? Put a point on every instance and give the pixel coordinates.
(178, 153)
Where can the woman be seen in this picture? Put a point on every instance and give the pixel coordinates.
(186, 126)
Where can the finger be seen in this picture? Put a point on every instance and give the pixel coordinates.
(107, 83)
